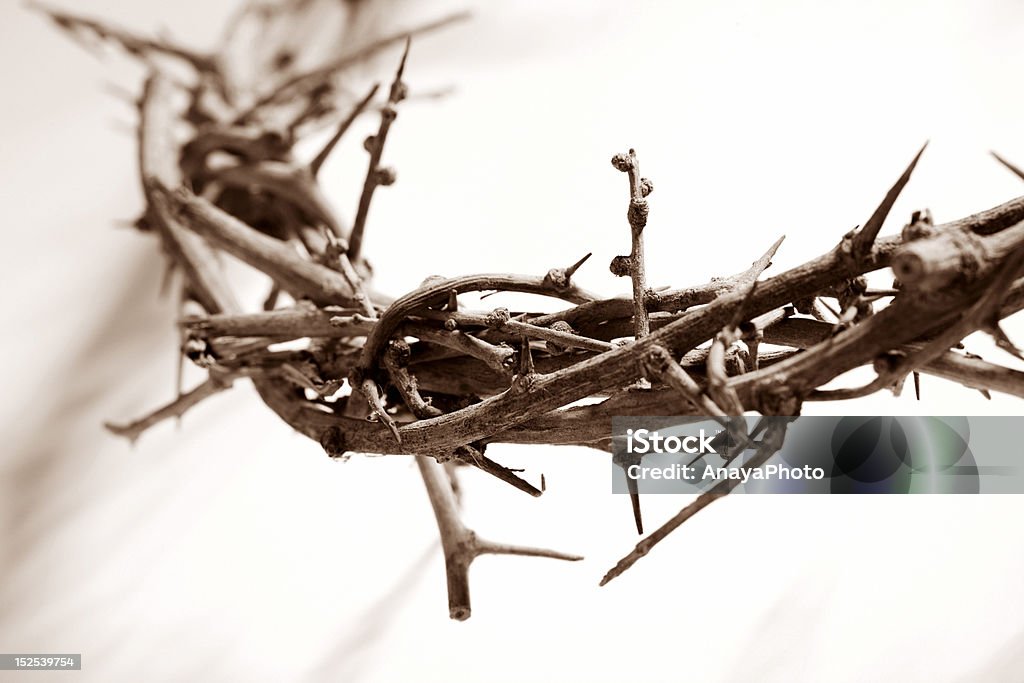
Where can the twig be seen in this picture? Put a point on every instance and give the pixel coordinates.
(639, 188)
(321, 157)
(310, 79)
(769, 445)
(461, 545)
(134, 45)
(375, 174)
(288, 269)
(175, 409)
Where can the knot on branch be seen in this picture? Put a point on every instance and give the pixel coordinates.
(369, 143)
(385, 175)
(399, 352)
(889, 363)
(920, 226)
(559, 326)
(778, 400)
(657, 360)
(497, 318)
(399, 91)
(934, 263)
(620, 266)
(646, 186)
(848, 291)
(199, 352)
(637, 214)
(622, 162)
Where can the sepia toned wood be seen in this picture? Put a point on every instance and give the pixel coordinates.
(441, 383)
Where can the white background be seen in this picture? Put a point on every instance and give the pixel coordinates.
(232, 549)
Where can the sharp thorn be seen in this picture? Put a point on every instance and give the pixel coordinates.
(865, 238)
(571, 270)
(1015, 169)
(634, 499)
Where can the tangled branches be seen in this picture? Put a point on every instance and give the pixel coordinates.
(422, 375)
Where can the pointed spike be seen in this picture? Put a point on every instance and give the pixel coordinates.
(321, 157)
(491, 548)
(482, 462)
(917, 385)
(1003, 341)
(1015, 169)
(571, 270)
(405, 56)
(865, 238)
(453, 301)
(766, 258)
(986, 394)
(634, 499)
(526, 366)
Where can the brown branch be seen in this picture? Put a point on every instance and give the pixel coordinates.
(133, 44)
(293, 273)
(770, 444)
(457, 381)
(321, 157)
(461, 545)
(175, 409)
(639, 188)
(375, 174)
(307, 81)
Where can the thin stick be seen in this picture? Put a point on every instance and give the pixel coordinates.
(375, 175)
(639, 188)
(175, 409)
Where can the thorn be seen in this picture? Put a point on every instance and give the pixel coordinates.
(571, 270)
(271, 301)
(1016, 170)
(1003, 342)
(917, 385)
(560, 278)
(401, 65)
(482, 462)
(864, 239)
(526, 367)
(543, 483)
(986, 394)
(321, 157)
(453, 301)
(634, 499)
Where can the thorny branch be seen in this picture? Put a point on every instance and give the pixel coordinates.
(441, 382)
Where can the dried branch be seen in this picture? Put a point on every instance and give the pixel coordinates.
(442, 383)
(639, 188)
(770, 444)
(321, 157)
(175, 409)
(461, 545)
(377, 175)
